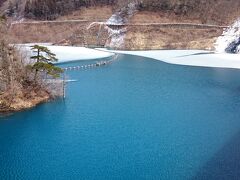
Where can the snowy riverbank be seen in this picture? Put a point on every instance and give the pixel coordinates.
(70, 53)
(189, 57)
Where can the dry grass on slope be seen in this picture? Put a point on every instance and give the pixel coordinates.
(96, 13)
(220, 12)
(170, 38)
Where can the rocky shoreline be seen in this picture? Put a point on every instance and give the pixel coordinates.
(22, 103)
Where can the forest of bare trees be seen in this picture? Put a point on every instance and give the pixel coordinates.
(12, 71)
(51, 9)
(206, 10)
(209, 11)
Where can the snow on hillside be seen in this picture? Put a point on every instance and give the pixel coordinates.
(230, 39)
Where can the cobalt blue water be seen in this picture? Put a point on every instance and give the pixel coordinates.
(136, 118)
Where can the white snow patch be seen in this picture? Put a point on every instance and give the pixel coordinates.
(115, 19)
(230, 35)
(117, 36)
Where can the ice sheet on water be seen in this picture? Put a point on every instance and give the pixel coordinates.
(189, 57)
(69, 53)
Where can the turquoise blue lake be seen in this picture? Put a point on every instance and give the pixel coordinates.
(136, 118)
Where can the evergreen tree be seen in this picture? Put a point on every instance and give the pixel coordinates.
(44, 59)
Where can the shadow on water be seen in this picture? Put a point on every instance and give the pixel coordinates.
(225, 164)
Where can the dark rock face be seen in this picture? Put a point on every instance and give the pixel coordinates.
(233, 47)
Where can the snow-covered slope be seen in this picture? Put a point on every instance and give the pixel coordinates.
(230, 40)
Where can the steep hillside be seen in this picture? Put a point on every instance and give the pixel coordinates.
(220, 12)
(207, 11)
(213, 12)
(46, 9)
(51, 9)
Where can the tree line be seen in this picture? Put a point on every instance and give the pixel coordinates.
(51, 9)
